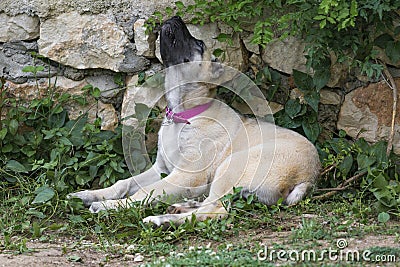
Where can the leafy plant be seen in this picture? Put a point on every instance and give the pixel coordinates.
(378, 174)
(38, 139)
(303, 113)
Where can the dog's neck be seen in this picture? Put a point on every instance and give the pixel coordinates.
(188, 96)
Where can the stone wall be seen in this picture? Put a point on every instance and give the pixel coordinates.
(95, 41)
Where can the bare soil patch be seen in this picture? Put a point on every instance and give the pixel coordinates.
(65, 252)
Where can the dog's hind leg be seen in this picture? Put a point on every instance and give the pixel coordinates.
(225, 179)
(211, 207)
(183, 207)
(298, 193)
(206, 211)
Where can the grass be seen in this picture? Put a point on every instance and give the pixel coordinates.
(235, 241)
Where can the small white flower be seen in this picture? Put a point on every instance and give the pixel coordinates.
(138, 258)
(130, 248)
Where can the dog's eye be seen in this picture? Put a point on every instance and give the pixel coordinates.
(201, 44)
(186, 59)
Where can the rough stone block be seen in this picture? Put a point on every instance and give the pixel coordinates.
(285, 55)
(88, 41)
(367, 111)
(18, 28)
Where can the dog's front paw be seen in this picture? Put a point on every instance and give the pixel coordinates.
(103, 205)
(86, 196)
(155, 220)
(96, 207)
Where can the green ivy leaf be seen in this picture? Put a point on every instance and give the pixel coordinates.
(292, 108)
(27, 150)
(43, 194)
(75, 129)
(93, 171)
(378, 150)
(179, 5)
(82, 179)
(142, 111)
(393, 50)
(384, 197)
(303, 81)
(29, 69)
(3, 133)
(33, 69)
(57, 119)
(283, 119)
(383, 217)
(96, 93)
(65, 141)
(223, 37)
(76, 218)
(312, 98)
(397, 31)
(380, 182)
(15, 166)
(382, 40)
(218, 52)
(311, 129)
(345, 165)
(321, 77)
(7, 148)
(365, 161)
(13, 126)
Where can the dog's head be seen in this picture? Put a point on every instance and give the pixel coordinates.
(189, 65)
(177, 45)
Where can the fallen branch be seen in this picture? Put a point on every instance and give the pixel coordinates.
(343, 186)
(388, 78)
(328, 169)
(332, 189)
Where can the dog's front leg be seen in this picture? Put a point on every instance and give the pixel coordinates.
(178, 184)
(120, 189)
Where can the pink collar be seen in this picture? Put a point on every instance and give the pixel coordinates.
(184, 116)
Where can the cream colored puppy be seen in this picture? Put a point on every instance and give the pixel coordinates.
(207, 149)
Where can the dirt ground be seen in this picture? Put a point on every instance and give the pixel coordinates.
(52, 254)
(66, 253)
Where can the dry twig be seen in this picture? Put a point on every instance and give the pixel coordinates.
(344, 185)
(388, 78)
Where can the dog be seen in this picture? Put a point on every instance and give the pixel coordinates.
(207, 149)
